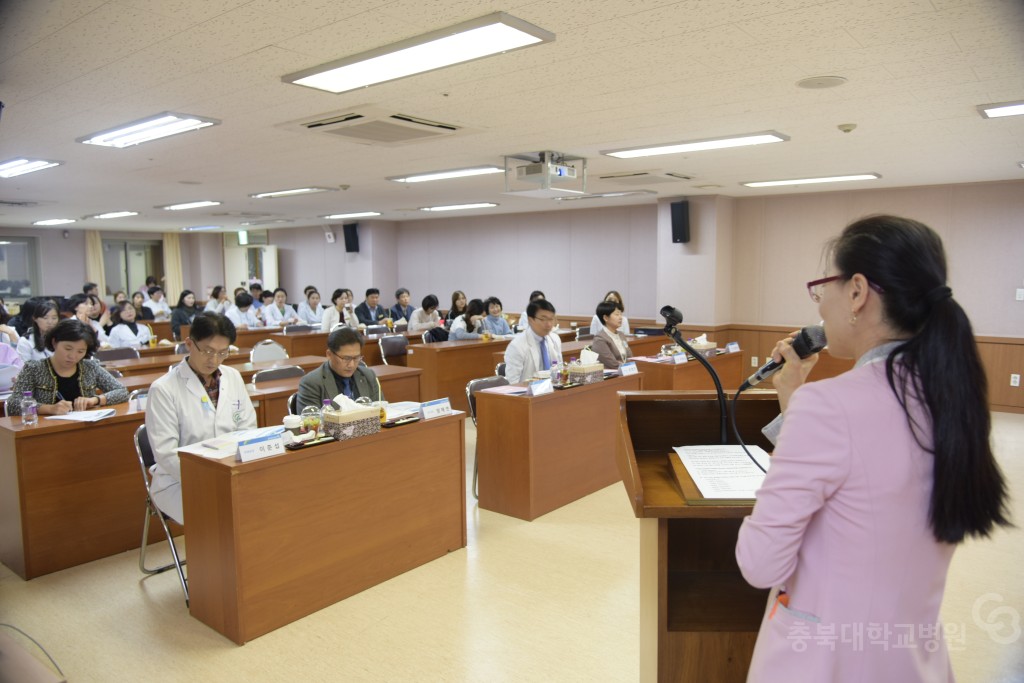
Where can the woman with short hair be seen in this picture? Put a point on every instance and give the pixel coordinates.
(127, 333)
(426, 317)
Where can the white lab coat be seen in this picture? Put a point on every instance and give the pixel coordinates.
(246, 317)
(27, 349)
(522, 355)
(308, 316)
(179, 413)
(121, 336)
(272, 316)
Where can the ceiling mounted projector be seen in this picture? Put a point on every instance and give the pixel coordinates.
(538, 173)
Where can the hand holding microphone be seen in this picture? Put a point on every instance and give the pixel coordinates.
(801, 351)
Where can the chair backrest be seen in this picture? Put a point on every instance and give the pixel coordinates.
(268, 349)
(138, 395)
(293, 404)
(145, 452)
(584, 337)
(337, 326)
(499, 369)
(583, 333)
(376, 329)
(392, 347)
(116, 374)
(181, 348)
(426, 337)
(281, 372)
(476, 385)
(400, 328)
(126, 353)
(295, 329)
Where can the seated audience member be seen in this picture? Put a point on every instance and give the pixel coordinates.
(370, 312)
(595, 322)
(198, 399)
(241, 314)
(69, 379)
(9, 356)
(120, 296)
(98, 313)
(427, 317)
(401, 311)
(266, 301)
(458, 306)
(470, 324)
(610, 344)
(141, 312)
(92, 289)
(9, 336)
(535, 348)
(79, 306)
(342, 372)
(183, 313)
(150, 282)
(341, 312)
(310, 311)
(126, 332)
(535, 295)
(219, 301)
(495, 322)
(255, 290)
(22, 322)
(157, 304)
(279, 313)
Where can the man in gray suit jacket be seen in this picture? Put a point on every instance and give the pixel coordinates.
(341, 373)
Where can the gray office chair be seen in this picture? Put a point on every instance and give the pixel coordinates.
(427, 339)
(146, 461)
(116, 354)
(499, 369)
(268, 349)
(298, 329)
(373, 330)
(116, 374)
(181, 348)
(401, 328)
(280, 372)
(136, 396)
(392, 347)
(293, 404)
(472, 387)
(583, 333)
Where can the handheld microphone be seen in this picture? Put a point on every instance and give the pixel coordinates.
(807, 342)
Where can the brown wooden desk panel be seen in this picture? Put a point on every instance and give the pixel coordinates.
(148, 363)
(692, 375)
(537, 454)
(274, 540)
(247, 370)
(448, 367)
(70, 492)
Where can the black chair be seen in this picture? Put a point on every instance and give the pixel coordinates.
(280, 372)
(374, 330)
(499, 369)
(472, 387)
(400, 328)
(146, 461)
(181, 348)
(583, 333)
(392, 347)
(427, 339)
(126, 353)
(298, 329)
(293, 404)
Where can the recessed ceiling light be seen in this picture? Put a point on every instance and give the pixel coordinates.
(358, 214)
(482, 37)
(114, 214)
(21, 166)
(762, 138)
(708, 187)
(445, 175)
(607, 195)
(243, 238)
(267, 221)
(458, 207)
(289, 193)
(188, 205)
(1000, 109)
(813, 181)
(200, 228)
(55, 221)
(148, 129)
(821, 82)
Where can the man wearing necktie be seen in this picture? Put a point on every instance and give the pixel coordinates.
(341, 373)
(370, 312)
(534, 349)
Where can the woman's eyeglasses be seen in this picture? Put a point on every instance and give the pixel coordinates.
(817, 287)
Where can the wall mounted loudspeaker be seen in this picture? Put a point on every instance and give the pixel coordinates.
(680, 222)
(352, 238)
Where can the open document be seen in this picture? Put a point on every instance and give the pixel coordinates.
(84, 415)
(724, 472)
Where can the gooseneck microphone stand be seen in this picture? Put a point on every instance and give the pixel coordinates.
(672, 318)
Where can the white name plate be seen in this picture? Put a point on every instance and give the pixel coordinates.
(540, 387)
(260, 448)
(437, 408)
(680, 358)
(732, 347)
(627, 369)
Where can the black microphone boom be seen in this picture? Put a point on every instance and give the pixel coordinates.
(807, 342)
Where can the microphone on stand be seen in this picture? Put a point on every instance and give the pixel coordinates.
(673, 317)
(809, 341)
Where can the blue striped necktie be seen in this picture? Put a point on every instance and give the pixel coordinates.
(545, 362)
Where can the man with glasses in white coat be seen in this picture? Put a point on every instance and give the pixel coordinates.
(536, 348)
(198, 399)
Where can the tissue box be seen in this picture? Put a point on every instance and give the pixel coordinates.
(351, 424)
(707, 349)
(586, 373)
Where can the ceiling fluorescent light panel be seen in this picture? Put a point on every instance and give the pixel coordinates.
(762, 138)
(814, 181)
(357, 214)
(458, 207)
(1001, 109)
(20, 166)
(446, 175)
(147, 129)
(188, 205)
(289, 193)
(475, 39)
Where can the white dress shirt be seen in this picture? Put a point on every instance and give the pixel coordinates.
(522, 356)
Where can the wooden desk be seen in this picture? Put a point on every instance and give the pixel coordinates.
(698, 617)
(537, 454)
(448, 367)
(397, 384)
(302, 343)
(247, 370)
(161, 330)
(274, 540)
(693, 375)
(70, 492)
(644, 346)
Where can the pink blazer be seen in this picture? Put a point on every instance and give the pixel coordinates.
(842, 523)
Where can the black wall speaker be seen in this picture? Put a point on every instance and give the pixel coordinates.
(680, 222)
(352, 238)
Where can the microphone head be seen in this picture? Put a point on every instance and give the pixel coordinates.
(673, 316)
(809, 341)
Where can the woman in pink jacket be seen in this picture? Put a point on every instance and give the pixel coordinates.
(877, 474)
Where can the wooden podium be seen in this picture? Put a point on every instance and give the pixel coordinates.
(698, 617)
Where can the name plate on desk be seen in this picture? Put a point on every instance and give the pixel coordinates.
(680, 358)
(627, 369)
(436, 408)
(263, 447)
(732, 347)
(540, 387)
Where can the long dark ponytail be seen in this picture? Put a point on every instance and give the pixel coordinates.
(938, 365)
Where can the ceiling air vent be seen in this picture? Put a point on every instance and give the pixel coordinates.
(5, 202)
(377, 126)
(643, 178)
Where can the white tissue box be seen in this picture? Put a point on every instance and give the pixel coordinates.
(351, 424)
(706, 349)
(586, 373)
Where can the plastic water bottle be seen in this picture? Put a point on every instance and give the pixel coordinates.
(29, 410)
